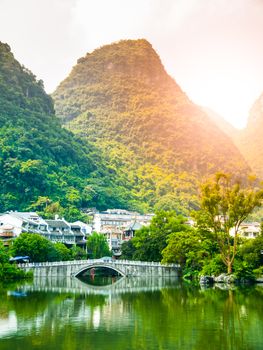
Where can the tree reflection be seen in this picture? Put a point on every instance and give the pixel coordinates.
(180, 317)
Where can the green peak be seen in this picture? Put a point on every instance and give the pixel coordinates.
(135, 59)
(19, 85)
(4, 47)
(125, 46)
(128, 44)
(41, 163)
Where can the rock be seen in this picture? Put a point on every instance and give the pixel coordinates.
(220, 278)
(230, 279)
(206, 280)
(224, 278)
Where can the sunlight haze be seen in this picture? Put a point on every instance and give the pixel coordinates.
(213, 49)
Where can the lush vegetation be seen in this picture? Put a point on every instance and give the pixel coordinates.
(151, 240)
(156, 142)
(199, 250)
(40, 249)
(225, 204)
(97, 246)
(143, 146)
(43, 166)
(170, 240)
(7, 270)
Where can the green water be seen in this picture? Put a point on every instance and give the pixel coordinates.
(129, 314)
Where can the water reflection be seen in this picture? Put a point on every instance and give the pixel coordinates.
(99, 280)
(99, 276)
(78, 286)
(130, 314)
(8, 324)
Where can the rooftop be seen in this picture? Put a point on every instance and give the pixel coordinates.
(134, 226)
(57, 223)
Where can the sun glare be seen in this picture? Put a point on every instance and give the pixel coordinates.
(227, 96)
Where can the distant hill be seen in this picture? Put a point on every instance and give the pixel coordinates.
(157, 142)
(250, 140)
(39, 158)
(222, 123)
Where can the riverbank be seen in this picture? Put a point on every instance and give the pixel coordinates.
(229, 279)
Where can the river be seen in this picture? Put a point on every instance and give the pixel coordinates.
(129, 314)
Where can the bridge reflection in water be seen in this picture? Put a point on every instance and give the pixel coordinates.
(121, 286)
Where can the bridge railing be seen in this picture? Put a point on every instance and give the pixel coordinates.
(94, 261)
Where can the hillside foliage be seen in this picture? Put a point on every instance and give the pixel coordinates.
(39, 159)
(250, 140)
(153, 138)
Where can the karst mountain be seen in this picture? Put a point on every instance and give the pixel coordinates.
(250, 140)
(154, 138)
(40, 161)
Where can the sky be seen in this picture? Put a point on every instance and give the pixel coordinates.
(212, 48)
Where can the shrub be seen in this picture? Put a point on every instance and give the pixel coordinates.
(243, 271)
(213, 267)
(258, 272)
(12, 272)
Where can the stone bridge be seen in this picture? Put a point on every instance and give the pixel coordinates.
(125, 268)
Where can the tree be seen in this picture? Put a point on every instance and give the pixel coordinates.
(127, 250)
(187, 248)
(53, 209)
(73, 196)
(72, 214)
(150, 241)
(78, 253)
(41, 203)
(225, 204)
(97, 246)
(7, 270)
(250, 251)
(148, 246)
(3, 254)
(38, 248)
(64, 253)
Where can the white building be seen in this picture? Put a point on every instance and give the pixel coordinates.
(59, 230)
(114, 223)
(119, 218)
(85, 228)
(249, 230)
(12, 224)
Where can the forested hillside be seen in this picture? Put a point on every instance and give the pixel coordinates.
(156, 141)
(250, 139)
(39, 158)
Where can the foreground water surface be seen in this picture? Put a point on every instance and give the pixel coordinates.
(129, 314)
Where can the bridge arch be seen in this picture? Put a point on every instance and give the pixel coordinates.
(91, 266)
